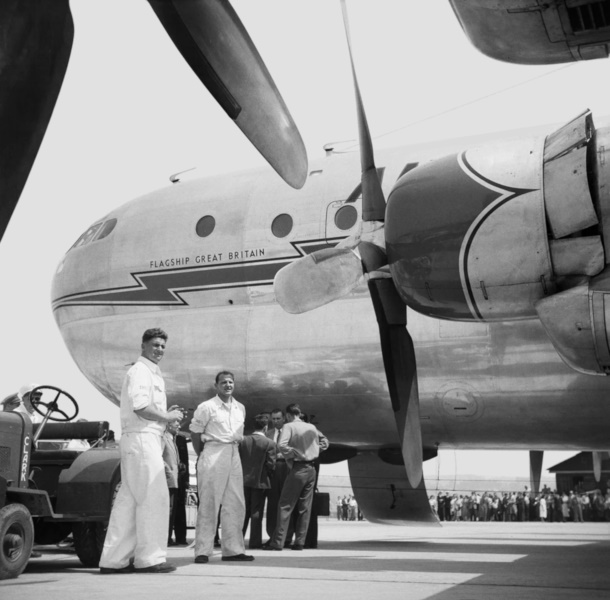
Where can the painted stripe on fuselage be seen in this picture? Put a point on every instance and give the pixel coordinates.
(165, 287)
(503, 195)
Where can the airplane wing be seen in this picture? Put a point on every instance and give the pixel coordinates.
(35, 49)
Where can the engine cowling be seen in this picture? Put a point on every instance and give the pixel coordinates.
(522, 31)
(494, 232)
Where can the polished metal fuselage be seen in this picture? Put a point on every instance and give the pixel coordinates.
(482, 385)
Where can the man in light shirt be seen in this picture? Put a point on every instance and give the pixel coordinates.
(217, 429)
(137, 531)
(300, 443)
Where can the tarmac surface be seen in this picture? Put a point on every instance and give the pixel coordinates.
(458, 561)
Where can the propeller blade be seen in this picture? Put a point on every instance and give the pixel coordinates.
(317, 279)
(373, 201)
(401, 373)
(214, 42)
(36, 44)
(396, 343)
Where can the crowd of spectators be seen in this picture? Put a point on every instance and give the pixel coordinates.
(347, 509)
(547, 505)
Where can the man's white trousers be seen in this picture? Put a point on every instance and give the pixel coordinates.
(140, 513)
(220, 482)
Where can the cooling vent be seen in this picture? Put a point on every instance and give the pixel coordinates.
(590, 17)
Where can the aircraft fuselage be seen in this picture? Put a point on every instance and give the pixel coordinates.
(198, 259)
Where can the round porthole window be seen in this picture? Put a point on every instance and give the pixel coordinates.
(346, 217)
(205, 226)
(282, 225)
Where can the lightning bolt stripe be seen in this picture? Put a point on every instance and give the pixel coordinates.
(504, 194)
(165, 287)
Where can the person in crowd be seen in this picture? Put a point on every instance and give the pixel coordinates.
(266, 416)
(216, 431)
(279, 474)
(459, 503)
(494, 509)
(575, 508)
(597, 506)
(585, 505)
(466, 508)
(137, 530)
(344, 508)
(171, 462)
(22, 402)
(483, 508)
(339, 504)
(257, 454)
(353, 508)
(300, 443)
(542, 507)
(565, 507)
(178, 519)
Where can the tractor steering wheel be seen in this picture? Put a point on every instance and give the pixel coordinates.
(52, 407)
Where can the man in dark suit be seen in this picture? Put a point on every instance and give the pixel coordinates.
(257, 453)
(179, 508)
(279, 475)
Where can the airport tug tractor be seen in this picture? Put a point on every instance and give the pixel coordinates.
(49, 490)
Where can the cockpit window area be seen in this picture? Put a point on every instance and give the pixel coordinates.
(106, 229)
(96, 232)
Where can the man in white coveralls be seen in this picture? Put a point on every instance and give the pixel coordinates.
(217, 429)
(137, 533)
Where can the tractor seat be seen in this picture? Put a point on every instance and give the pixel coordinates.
(78, 430)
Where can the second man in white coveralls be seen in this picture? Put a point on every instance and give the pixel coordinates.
(217, 429)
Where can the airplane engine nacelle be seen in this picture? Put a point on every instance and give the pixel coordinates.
(577, 321)
(487, 233)
(526, 32)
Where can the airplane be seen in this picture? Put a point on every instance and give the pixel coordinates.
(493, 376)
(482, 262)
(109, 284)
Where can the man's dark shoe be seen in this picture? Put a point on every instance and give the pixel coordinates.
(109, 571)
(182, 543)
(163, 567)
(239, 558)
(270, 547)
(201, 559)
(296, 547)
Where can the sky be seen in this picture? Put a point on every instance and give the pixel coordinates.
(131, 113)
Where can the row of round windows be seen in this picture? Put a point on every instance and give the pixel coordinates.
(282, 225)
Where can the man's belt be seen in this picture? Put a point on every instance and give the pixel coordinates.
(304, 462)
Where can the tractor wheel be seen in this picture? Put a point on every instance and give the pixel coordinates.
(89, 542)
(89, 537)
(16, 539)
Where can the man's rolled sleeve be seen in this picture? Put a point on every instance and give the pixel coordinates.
(201, 416)
(140, 389)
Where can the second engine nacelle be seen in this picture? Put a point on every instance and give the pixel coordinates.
(487, 233)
